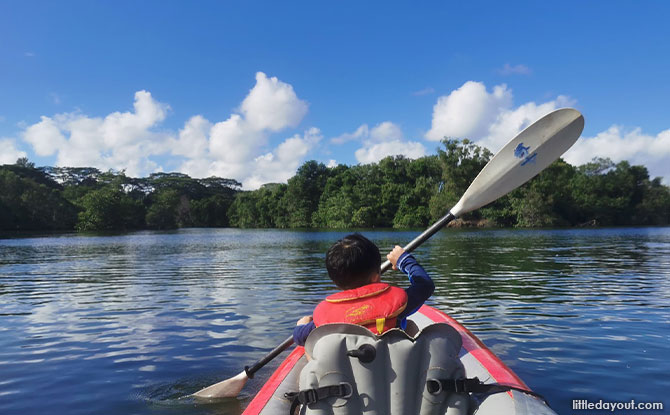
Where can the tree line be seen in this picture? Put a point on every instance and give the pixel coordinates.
(395, 192)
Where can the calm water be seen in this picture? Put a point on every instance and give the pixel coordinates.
(130, 324)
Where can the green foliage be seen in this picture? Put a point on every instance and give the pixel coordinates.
(27, 203)
(262, 208)
(167, 210)
(547, 200)
(396, 192)
(303, 192)
(460, 162)
(109, 208)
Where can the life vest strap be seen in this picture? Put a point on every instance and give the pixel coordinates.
(474, 385)
(310, 396)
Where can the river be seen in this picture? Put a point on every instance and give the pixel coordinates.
(132, 323)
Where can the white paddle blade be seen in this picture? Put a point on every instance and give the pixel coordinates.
(527, 154)
(229, 388)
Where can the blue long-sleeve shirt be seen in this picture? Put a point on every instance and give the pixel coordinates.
(420, 289)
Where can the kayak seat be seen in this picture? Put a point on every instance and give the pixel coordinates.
(354, 371)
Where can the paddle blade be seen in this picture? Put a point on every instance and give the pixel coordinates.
(229, 388)
(527, 154)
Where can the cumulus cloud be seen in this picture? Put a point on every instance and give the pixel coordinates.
(272, 105)
(384, 139)
(468, 111)
(510, 121)
(377, 151)
(192, 141)
(361, 132)
(282, 162)
(121, 140)
(386, 131)
(652, 151)
(9, 153)
(488, 118)
(235, 147)
(45, 137)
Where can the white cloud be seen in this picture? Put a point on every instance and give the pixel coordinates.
(229, 148)
(468, 111)
(384, 139)
(490, 119)
(519, 69)
(282, 163)
(8, 151)
(121, 140)
(232, 141)
(376, 152)
(361, 132)
(510, 121)
(331, 164)
(192, 141)
(45, 137)
(234, 148)
(272, 105)
(652, 151)
(386, 131)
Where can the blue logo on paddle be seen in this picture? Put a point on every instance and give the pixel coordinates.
(524, 153)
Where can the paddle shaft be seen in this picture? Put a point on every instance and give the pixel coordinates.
(274, 353)
(423, 237)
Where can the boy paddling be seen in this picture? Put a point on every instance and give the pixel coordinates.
(353, 263)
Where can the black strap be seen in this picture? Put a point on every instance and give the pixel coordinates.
(474, 385)
(310, 396)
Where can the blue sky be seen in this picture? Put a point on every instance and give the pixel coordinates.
(252, 89)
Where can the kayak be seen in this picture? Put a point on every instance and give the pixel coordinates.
(478, 361)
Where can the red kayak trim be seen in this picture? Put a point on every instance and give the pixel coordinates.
(263, 396)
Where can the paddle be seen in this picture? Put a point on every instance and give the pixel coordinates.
(521, 159)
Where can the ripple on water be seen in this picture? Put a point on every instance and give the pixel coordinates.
(135, 323)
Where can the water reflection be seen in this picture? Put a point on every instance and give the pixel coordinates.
(133, 323)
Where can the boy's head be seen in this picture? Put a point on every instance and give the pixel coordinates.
(353, 261)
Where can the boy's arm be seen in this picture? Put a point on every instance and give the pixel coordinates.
(421, 287)
(301, 332)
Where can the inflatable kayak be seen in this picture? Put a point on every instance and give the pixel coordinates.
(500, 390)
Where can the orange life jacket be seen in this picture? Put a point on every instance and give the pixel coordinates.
(374, 306)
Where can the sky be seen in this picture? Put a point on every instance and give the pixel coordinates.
(251, 90)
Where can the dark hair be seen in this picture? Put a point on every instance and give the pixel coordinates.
(352, 260)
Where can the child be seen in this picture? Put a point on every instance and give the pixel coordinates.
(354, 264)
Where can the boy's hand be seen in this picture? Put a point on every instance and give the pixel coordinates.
(304, 320)
(394, 255)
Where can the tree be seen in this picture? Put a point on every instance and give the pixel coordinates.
(303, 193)
(24, 162)
(461, 162)
(109, 208)
(544, 201)
(162, 213)
(28, 204)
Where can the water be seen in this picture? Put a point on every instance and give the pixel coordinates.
(133, 323)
